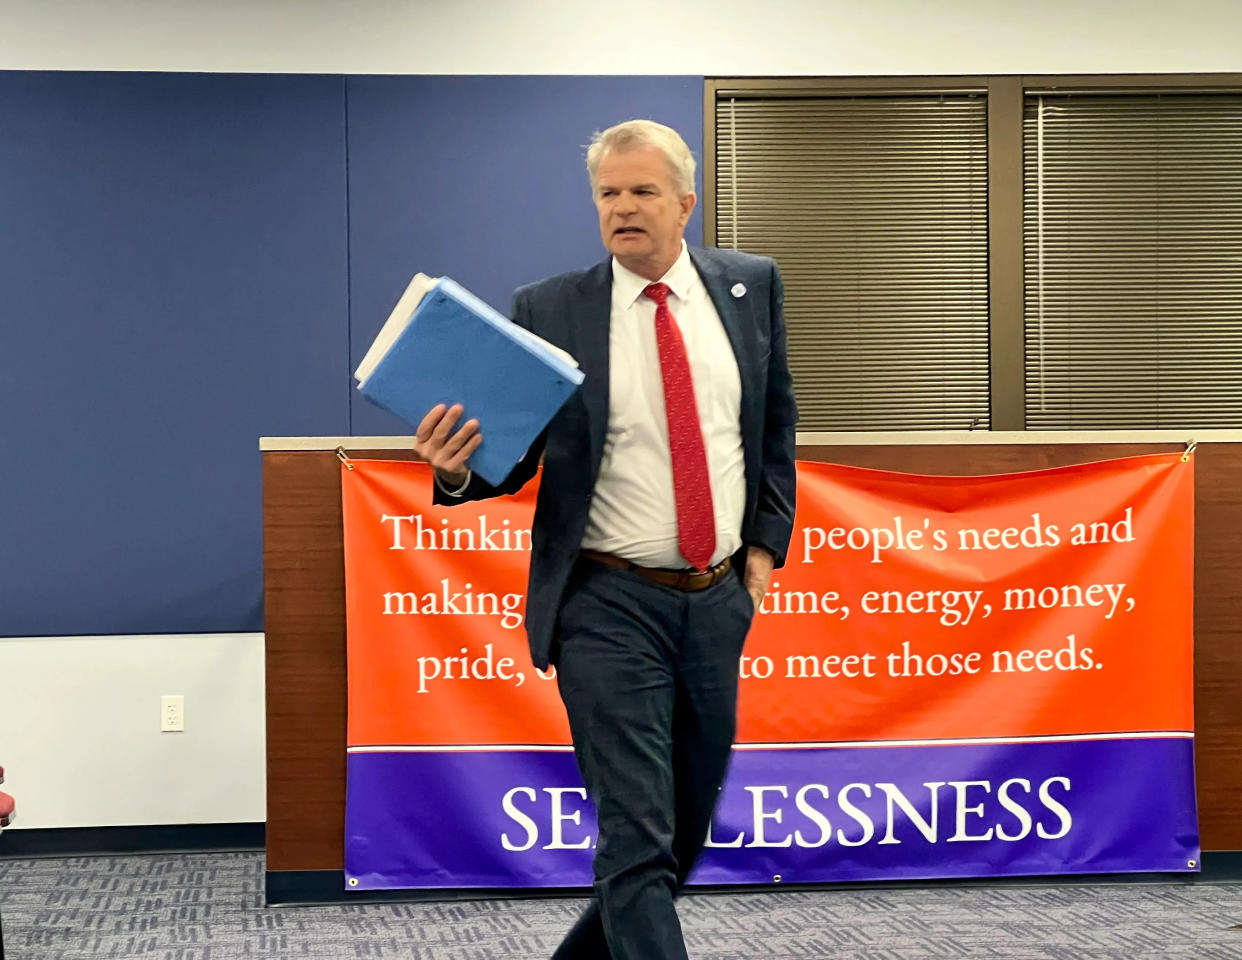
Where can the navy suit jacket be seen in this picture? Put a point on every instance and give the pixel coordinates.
(573, 311)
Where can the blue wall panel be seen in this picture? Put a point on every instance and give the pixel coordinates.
(191, 261)
(482, 179)
(172, 286)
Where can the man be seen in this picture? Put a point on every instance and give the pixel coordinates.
(667, 498)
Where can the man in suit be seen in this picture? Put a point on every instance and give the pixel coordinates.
(667, 499)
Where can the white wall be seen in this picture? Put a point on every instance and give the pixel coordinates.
(711, 37)
(80, 735)
(79, 730)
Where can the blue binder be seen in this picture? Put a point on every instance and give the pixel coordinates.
(457, 349)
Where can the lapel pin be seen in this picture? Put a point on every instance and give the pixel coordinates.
(738, 290)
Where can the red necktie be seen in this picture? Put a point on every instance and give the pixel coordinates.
(696, 518)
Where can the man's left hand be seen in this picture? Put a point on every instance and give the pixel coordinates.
(759, 563)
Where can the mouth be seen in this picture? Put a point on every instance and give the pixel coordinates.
(628, 232)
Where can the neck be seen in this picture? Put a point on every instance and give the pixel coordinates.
(653, 267)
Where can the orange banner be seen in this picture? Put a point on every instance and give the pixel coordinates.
(910, 608)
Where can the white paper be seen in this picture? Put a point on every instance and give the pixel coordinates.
(397, 321)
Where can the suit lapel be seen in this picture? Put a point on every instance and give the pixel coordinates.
(591, 333)
(735, 314)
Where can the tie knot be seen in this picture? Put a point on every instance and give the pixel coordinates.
(657, 292)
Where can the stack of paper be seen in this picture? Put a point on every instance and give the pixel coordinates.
(442, 344)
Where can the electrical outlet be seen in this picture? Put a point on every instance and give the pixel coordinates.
(172, 714)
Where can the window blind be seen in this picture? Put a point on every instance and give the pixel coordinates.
(875, 207)
(1132, 208)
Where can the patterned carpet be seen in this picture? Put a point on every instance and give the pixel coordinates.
(210, 907)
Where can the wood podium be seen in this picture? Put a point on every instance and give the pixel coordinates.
(305, 619)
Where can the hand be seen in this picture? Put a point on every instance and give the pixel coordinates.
(759, 563)
(446, 451)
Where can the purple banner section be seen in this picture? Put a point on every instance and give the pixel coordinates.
(521, 818)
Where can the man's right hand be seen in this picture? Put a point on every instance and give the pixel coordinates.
(446, 451)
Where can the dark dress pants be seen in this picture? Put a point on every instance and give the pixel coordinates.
(648, 675)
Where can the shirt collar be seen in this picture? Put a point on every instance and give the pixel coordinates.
(680, 278)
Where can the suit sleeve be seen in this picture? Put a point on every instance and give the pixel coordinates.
(774, 514)
(476, 487)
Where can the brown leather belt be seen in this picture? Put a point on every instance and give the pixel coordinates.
(688, 580)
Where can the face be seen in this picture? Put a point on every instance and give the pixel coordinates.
(642, 215)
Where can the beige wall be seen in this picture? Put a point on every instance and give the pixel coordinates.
(711, 37)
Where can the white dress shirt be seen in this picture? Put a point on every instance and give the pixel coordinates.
(634, 513)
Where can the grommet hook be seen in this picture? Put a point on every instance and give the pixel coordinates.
(344, 458)
(1190, 448)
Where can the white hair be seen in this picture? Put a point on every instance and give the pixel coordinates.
(645, 133)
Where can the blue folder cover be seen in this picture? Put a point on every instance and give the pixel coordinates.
(457, 349)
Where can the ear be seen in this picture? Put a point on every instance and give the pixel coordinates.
(687, 206)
